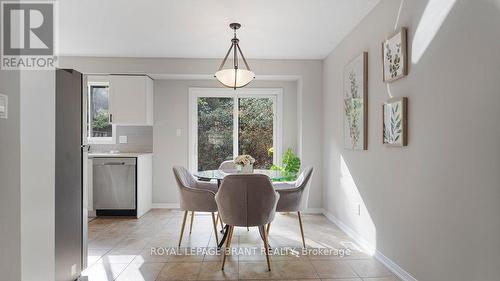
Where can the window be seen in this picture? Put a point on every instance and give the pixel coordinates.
(255, 129)
(99, 128)
(225, 123)
(215, 131)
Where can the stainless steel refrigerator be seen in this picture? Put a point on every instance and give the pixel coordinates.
(71, 149)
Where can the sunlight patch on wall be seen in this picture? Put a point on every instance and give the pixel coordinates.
(357, 216)
(433, 17)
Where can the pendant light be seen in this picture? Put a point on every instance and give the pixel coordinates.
(234, 77)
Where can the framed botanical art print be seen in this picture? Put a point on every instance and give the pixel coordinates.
(355, 108)
(395, 57)
(395, 122)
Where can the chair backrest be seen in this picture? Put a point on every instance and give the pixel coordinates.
(303, 183)
(228, 166)
(246, 200)
(304, 177)
(295, 198)
(183, 177)
(191, 197)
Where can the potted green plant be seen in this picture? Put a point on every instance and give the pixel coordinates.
(290, 165)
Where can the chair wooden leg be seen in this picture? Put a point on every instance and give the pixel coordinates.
(221, 223)
(191, 225)
(228, 244)
(183, 226)
(268, 229)
(231, 238)
(266, 248)
(215, 230)
(301, 230)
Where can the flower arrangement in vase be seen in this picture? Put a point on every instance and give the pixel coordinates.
(244, 163)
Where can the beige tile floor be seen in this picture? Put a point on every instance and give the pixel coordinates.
(120, 249)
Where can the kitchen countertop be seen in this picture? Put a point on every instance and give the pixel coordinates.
(118, 155)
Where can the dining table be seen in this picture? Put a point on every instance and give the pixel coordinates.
(274, 175)
(218, 175)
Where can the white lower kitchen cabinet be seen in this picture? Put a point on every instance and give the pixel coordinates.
(144, 183)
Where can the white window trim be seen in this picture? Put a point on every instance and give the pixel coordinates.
(94, 140)
(194, 93)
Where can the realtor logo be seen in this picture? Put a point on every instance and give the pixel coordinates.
(28, 35)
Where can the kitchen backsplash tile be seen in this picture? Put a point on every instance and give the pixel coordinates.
(139, 139)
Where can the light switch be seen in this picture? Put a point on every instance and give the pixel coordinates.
(178, 132)
(4, 106)
(123, 139)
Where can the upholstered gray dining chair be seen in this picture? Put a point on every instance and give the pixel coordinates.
(293, 196)
(247, 200)
(228, 166)
(195, 196)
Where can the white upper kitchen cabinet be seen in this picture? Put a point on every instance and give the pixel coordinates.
(131, 99)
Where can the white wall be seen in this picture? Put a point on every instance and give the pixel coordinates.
(171, 113)
(433, 206)
(27, 140)
(37, 154)
(307, 73)
(10, 197)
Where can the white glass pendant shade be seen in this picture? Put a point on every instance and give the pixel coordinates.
(234, 78)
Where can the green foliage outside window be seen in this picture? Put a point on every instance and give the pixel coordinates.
(215, 130)
(255, 136)
(291, 165)
(100, 120)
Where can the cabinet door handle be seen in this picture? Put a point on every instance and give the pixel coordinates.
(110, 118)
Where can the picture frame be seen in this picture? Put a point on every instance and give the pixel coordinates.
(355, 98)
(395, 122)
(395, 56)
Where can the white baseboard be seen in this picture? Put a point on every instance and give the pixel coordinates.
(367, 246)
(362, 242)
(165, 206)
(394, 267)
(91, 214)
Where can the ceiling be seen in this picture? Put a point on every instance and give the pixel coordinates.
(271, 29)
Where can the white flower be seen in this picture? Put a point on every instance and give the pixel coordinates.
(244, 160)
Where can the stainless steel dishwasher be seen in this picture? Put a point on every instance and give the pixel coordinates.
(114, 185)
